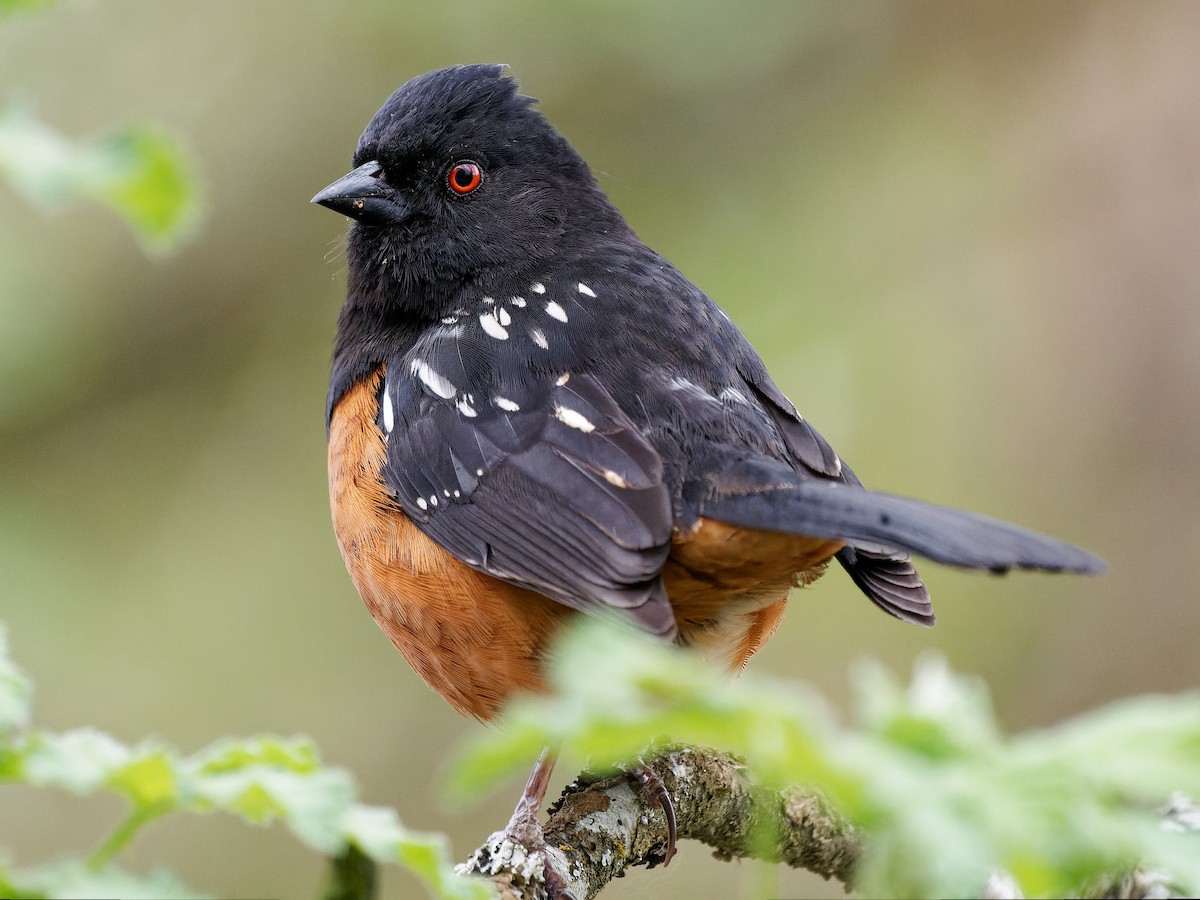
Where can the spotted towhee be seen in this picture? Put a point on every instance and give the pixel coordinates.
(533, 414)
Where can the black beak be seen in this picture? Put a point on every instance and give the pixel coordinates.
(365, 196)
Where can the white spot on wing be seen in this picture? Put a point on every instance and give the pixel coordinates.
(488, 301)
(389, 415)
(436, 382)
(491, 324)
(538, 288)
(479, 473)
(465, 407)
(539, 338)
(506, 404)
(503, 316)
(518, 302)
(433, 501)
(421, 503)
(586, 291)
(563, 379)
(615, 478)
(556, 312)
(573, 419)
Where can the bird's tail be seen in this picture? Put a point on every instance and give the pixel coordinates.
(879, 529)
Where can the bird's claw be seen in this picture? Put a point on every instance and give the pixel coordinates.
(654, 791)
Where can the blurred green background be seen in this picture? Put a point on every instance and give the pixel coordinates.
(965, 238)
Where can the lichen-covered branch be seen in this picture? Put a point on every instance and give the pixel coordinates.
(599, 829)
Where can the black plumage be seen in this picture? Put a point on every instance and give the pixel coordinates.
(560, 401)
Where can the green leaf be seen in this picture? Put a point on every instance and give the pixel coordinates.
(622, 692)
(141, 172)
(297, 754)
(74, 879)
(1145, 747)
(80, 761)
(428, 857)
(85, 760)
(144, 175)
(378, 833)
(376, 830)
(261, 779)
(149, 780)
(939, 715)
(265, 779)
(1178, 854)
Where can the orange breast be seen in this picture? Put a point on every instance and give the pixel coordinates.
(474, 639)
(477, 640)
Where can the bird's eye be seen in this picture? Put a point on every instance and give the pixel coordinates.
(464, 177)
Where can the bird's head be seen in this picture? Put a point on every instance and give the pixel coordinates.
(458, 177)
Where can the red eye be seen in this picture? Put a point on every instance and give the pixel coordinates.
(464, 177)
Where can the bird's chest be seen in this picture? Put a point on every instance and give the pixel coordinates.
(474, 639)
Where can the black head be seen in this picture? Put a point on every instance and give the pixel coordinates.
(457, 177)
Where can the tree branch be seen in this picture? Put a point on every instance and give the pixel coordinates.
(599, 829)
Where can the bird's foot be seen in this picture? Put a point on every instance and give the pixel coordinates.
(520, 850)
(654, 791)
(521, 854)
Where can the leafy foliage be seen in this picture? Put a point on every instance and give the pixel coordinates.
(946, 799)
(260, 779)
(140, 172)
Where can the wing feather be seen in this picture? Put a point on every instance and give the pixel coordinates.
(554, 488)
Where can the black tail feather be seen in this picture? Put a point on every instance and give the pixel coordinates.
(759, 493)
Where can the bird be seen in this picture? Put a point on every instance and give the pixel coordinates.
(533, 415)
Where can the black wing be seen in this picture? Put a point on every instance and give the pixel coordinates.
(525, 470)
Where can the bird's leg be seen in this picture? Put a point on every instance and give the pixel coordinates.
(524, 826)
(521, 847)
